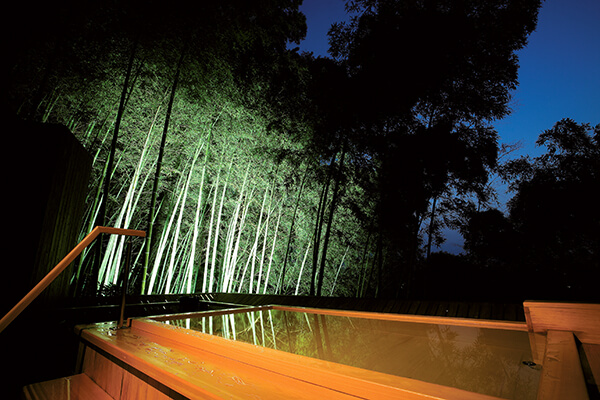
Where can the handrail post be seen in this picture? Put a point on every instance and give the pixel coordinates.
(60, 267)
(124, 285)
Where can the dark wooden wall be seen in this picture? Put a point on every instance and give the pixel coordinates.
(47, 173)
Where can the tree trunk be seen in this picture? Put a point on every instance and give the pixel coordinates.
(150, 230)
(379, 258)
(109, 167)
(431, 227)
(364, 264)
(255, 246)
(171, 268)
(336, 190)
(317, 235)
(228, 284)
(338, 271)
(272, 249)
(191, 261)
(109, 271)
(211, 278)
(163, 245)
(302, 267)
(208, 241)
(289, 241)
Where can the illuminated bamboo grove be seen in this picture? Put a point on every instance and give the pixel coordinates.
(245, 161)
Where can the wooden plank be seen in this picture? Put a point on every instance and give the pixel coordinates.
(485, 311)
(432, 308)
(106, 374)
(581, 319)
(135, 388)
(307, 373)
(592, 355)
(76, 387)
(452, 309)
(413, 307)
(537, 343)
(442, 310)
(404, 307)
(562, 376)
(473, 310)
(463, 310)
(510, 312)
(497, 311)
(276, 361)
(424, 308)
(385, 306)
(197, 374)
(428, 319)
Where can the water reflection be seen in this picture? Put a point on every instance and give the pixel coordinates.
(487, 361)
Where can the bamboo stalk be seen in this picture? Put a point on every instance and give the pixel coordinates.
(216, 238)
(272, 250)
(158, 171)
(185, 188)
(302, 266)
(230, 253)
(161, 248)
(234, 256)
(195, 233)
(338, 271)
(257, 236)
(208, 241)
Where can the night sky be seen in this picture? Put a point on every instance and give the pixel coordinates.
(559, 73)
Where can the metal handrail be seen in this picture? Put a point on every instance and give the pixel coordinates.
(60, 267)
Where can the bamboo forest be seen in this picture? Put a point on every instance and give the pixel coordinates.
(256, 168)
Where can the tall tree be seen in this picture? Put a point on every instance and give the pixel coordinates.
(428, 78)
(334, 202)
(156, 181)
(554, 212)
(108, 170)
(291, 231)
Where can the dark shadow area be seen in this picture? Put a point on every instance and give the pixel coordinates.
(458, 278)
(593, 387)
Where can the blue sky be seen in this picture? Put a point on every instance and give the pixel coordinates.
(559, 75)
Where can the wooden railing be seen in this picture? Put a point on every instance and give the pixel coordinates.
(60, 267)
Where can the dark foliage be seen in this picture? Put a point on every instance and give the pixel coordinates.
(427, 79)
(550, 243)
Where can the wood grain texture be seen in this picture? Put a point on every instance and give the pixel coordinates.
(580, 318)
(429, 319)
(343, 378)
(195, 374)
(136, 388)
(562, 376)
(592, 355)
(217, 369)
(106, 374)
(76, 387)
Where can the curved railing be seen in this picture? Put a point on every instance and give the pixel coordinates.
(60, 267)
